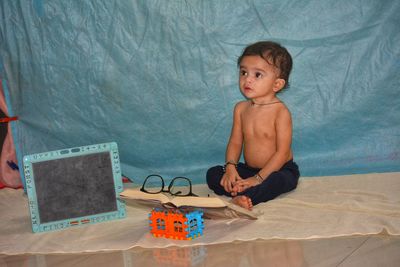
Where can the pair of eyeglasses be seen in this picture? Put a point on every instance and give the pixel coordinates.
(179, 186)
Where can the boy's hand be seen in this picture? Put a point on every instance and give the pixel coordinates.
(229, 179)
(243, 184)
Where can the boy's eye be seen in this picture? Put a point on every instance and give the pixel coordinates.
(243, 73)
(258, 75)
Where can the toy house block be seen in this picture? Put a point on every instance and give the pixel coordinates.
(176, 224)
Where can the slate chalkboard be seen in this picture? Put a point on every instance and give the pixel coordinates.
(74, 186)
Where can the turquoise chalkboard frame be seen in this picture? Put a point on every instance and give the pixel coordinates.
(30, 160)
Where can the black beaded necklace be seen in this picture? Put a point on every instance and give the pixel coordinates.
(264, 104)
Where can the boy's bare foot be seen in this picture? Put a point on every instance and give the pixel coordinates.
(243, 201)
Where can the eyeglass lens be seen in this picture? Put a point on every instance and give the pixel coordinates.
(153, 184)
(180, 186)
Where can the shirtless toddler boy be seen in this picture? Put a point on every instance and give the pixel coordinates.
(262, 129)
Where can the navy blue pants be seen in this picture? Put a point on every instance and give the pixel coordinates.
(277, 183)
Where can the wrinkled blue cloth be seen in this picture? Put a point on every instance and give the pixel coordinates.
(160, 79)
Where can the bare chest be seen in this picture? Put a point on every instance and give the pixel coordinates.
(259, 122)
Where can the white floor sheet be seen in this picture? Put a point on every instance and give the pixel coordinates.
(320, 207)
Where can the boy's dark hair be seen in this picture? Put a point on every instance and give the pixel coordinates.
(274, 54)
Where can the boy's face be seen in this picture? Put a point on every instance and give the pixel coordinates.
(259, 80)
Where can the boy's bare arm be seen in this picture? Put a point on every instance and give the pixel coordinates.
(233, 150)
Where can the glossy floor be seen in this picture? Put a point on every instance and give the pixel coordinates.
(376, 250)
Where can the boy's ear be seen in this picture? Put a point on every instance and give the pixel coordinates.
(279, 84)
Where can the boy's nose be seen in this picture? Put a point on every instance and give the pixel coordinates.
(249, 79)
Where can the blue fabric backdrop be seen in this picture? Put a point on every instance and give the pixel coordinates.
(160, 79)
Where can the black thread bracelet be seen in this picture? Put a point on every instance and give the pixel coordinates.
(227, 163)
